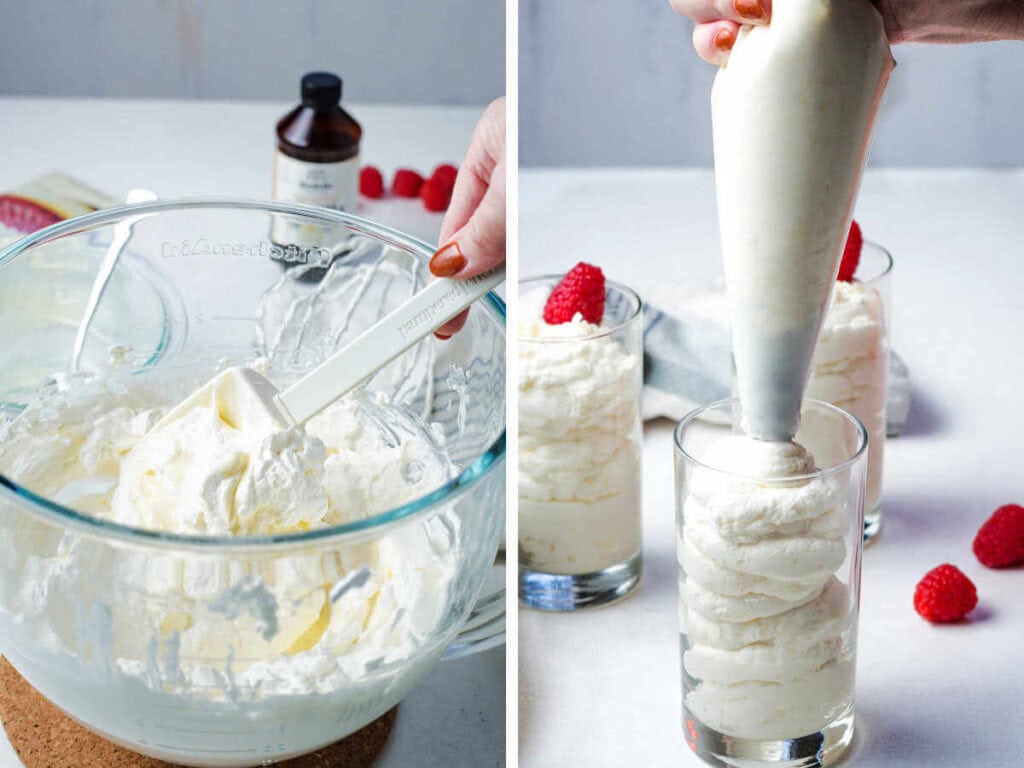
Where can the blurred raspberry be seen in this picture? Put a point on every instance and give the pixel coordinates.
(445, 173)
(407, 183)
(371, 182)
(436, 195)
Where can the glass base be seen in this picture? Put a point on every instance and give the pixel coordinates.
(872, 523)
(563, 592)
(817, 749)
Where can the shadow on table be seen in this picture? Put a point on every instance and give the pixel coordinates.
(925, 418)
(911, 520)
(660, 580)
(454, 717)
(900, 736)
(595, 629)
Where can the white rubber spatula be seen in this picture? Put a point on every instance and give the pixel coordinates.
(249, 401)
(382, 342)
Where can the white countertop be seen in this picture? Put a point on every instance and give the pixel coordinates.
(602, 688)
(456, 717)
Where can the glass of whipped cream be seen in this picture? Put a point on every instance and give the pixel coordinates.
(580, 442)
(850, 368)
(214, 597)
(769, 546)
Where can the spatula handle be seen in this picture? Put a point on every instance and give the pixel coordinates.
(436, 304)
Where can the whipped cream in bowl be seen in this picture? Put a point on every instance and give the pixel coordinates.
(769, 547)
(214, 590)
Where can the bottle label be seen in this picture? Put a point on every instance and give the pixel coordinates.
(331, 185)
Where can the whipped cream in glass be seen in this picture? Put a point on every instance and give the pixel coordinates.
(850, 368)
(769, 534)
(579, 453)
(579, 464)
(769, 543)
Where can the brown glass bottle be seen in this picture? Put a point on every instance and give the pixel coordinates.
(317, 159)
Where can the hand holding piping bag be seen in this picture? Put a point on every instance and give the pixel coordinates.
(718, 22)
(473, 231)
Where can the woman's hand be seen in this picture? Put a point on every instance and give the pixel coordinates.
(718, 23)
(473, 231)
(919, 21)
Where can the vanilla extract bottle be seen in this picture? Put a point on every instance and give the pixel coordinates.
(316, 163)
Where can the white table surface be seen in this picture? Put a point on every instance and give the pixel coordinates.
(602, 688)
(178, 148)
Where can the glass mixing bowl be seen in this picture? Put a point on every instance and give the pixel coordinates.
(178, 646)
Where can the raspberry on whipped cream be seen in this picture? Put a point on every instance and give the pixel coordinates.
(579, 448)
(768, 625)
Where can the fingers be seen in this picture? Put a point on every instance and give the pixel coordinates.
(477, 247)
(714, 40)
(486, 148)
(452, 327)
(718, 23)
(480, 244)
(473, 231)
(740, 11)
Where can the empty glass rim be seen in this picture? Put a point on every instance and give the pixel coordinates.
(732, 402)
(605, 330)
(886, 261)
(491, 460)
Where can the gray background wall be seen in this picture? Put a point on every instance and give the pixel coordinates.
(408, 51)
(616, 82)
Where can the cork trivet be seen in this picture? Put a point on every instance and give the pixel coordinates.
(44, 737)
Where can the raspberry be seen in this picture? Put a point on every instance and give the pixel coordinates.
(851, 254)
(1000, 541)
(371, 182)
(582, 291)
(436, 195)
(407, 183)
(445, 173)
(945, 594)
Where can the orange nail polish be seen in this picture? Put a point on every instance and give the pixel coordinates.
(749, 9)
(724, 39)
(448, 261)
(442, 336)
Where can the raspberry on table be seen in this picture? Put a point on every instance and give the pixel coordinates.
(945, 594)
(445, 173)
(436, 195)
(371, 182)
(851, 254)
(406, 183)
(580, 291)
(999, 542)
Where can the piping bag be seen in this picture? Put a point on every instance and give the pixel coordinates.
(793, 111)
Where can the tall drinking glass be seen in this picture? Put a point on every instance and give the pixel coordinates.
(579, 451)
(769, 581)
(851, 362)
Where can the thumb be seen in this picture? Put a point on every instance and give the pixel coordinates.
(480, 244)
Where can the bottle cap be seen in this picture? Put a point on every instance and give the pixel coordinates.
(321, 90)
